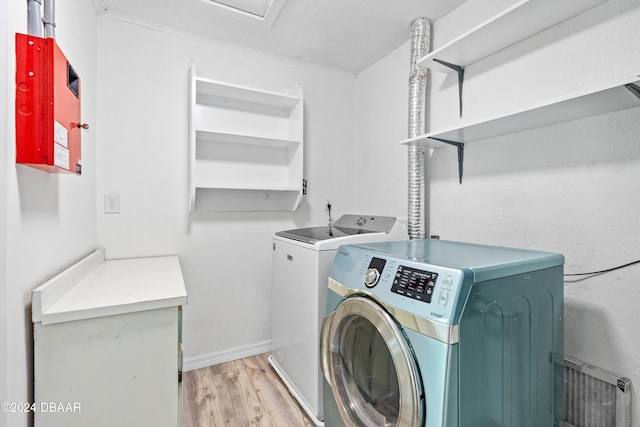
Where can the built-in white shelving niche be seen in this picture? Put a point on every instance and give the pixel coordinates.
(246, 147)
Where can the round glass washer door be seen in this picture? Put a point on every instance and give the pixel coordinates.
(370, 366)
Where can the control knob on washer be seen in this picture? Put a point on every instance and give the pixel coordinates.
(371, 277)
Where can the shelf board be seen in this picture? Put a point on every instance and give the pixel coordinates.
(250, 189)
(234, 138)
(228, 199)
(611, 98)
(212, 92)
(506, 27)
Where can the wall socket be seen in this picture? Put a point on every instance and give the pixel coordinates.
(112, 203)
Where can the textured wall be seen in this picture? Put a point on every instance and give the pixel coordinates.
(570, 188)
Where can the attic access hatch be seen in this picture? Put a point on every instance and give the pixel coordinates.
(262, 12)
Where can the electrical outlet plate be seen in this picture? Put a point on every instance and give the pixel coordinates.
(112, 203)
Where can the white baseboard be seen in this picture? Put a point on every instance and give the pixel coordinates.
(197, 362)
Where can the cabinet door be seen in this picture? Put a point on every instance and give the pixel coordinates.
(108, 371)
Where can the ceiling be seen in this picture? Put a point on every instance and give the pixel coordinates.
(347, 35)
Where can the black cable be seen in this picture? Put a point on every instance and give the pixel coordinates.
(604, 271)
(329, 220)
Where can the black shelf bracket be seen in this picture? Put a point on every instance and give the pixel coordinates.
(634, 89)
(458, 69)
(460, 147)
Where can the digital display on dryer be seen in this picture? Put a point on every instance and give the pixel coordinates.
(414, 283)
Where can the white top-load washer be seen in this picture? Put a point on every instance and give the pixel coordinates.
(301, 262)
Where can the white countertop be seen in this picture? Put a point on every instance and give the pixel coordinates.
(95, 287)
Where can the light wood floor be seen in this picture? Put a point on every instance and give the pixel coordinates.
(244, 392)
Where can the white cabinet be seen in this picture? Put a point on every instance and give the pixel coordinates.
(246, 147)
(107, 344)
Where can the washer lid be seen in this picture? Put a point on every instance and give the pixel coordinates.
(313, 235)
(346, 225)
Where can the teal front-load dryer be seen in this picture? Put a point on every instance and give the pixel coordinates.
(437, 333)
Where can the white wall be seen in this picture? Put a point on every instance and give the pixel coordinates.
(570, 188)
(50, 219)
(4, 120)
(382, 109)
(143, 156)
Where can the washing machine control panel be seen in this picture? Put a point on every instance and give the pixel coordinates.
(414, 283)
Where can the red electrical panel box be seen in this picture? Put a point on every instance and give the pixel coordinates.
(47, 107)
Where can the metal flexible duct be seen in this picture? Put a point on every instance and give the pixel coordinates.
(420, 42)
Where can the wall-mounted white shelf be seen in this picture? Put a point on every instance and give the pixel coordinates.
(246, 147)
(501, 28)
(234, 138)
(610, 98)
(228, 95)
(245, 199)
